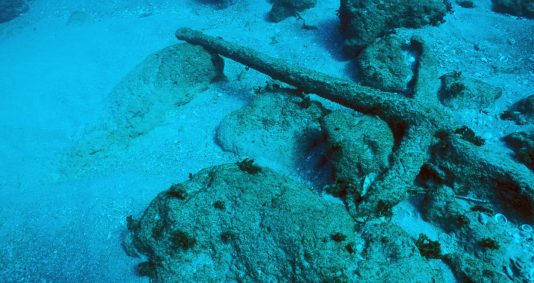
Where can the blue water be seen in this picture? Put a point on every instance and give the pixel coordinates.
(62, 218)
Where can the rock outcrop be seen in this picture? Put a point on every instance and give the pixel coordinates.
(362, 21)
(522, 8)
(230, 224)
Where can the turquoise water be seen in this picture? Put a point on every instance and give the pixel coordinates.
(97, 118)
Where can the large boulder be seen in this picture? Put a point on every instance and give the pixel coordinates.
(485, 241)
(362, 21)
(390, 255)
(142, 101)
(276, 129)
(523, 8)
(231, 223)
(454, 168)
(161, 83)
(387, 64)
(10, 9)
(359, 145)
(459, 91)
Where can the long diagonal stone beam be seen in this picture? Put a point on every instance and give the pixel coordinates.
(390, 107)
(422, 120)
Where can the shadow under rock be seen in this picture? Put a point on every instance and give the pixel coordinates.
(314, 165)
(329, 37)
(351, 70)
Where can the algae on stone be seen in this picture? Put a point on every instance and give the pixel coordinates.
(273, 130)
(386, 64)
(425, 128)
(459, 92)
(154, 89)
(359, 145)
(458, 169)
(362, 21)
(271, 230)
(162, 82)
(390, 255)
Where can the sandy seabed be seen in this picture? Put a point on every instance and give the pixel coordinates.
(60, 61)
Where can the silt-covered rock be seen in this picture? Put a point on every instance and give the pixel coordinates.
(227, 224)
(362, 21)
(164, 81)
(459, 91)
(485, 241)
(386, 64)
(275, 129)
(153, 90)
(359, 145)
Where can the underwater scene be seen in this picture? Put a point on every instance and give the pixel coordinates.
(267, 141)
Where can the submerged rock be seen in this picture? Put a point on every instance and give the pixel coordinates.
(359, 145)
(144, 98)
(386, 64)
(522, 143)
(225, 224)
(165, 80)
(283, 9)
(471, 269)
(485, 241)
(362, 21)
(276, 129)
(453, 168)
(390, 255)
(522, 112)
(10, 9)
(459, 91)
(524, 8)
